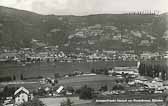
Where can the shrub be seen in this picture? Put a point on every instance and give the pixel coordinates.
(68, 102)
(34, 102)
(86, 92)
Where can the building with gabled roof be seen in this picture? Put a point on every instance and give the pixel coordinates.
(21, 95)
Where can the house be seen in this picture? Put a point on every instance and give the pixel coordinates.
(21, 95)
(60, 89)
(143, 79)
(149, 55)
(125, 70)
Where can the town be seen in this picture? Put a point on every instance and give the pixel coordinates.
(143, 82)
(53, 54)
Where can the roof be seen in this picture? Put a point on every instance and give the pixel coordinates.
(21, 89)
(8, 54)
(165, 82)
(60, 89)
(126, 69)
(144, 78)
(157, 79)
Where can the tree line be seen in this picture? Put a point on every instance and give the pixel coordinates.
(154, 69)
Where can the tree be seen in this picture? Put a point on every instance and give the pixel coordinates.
(86, 92)
(106, 72)
(70, 89)
(41, 92)
(57, 75)
(34, 102)
(92, 70)
(68, 102)
(153, 69)
(14, 77)
(118, 87)
(9, 91)
(104, 88)
(21, 77)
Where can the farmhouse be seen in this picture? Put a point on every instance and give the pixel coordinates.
(143, 79)
(21, 95)
(149, 55)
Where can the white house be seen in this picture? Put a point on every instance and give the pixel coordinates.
(60, 89)
(21, 95)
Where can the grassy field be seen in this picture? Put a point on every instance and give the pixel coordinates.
(28, 85)
(76, 82)
(92, 81)
(58, 100)
(133, 96)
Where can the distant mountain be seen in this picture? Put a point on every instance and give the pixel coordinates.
(102, 31)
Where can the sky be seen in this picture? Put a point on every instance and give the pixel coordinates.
(85, 7)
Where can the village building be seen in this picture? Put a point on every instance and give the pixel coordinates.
(22, 95)
(149, 55)
(125, 70)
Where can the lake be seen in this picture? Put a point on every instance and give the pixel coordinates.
(48, 69)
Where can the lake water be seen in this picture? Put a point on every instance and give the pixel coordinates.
(48, 69)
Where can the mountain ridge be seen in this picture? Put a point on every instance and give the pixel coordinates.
(96, 31)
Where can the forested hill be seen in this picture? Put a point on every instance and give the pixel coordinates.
(20, 28)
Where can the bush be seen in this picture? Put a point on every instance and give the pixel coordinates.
(104, 88)
(8, 91)
(70, 89)
(34, 102)
(5, 79)
(85, 92)
(68, 102)
(118, 87)
(57, 75)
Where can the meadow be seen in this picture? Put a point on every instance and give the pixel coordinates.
(93, 81)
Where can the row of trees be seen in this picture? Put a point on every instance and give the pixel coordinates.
(15, 77)
(8, 91)
(5, 79)
(10, 78)
(154, 69)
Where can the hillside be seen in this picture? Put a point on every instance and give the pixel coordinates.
(20, 28)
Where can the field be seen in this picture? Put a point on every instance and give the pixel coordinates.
(133, 96)
(95, 81)
(28, 85)
(57, 101)
(77, 102)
